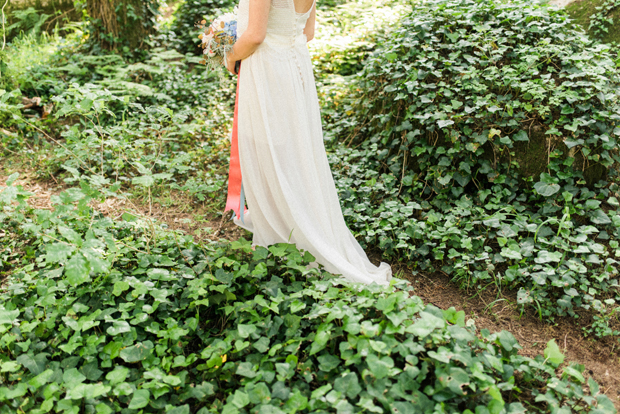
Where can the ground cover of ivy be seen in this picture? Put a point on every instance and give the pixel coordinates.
(122, 315)
(103, 316)
(480, 140)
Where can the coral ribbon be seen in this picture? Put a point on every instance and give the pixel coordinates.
(233, 201)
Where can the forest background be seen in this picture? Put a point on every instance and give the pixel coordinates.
(474, 147)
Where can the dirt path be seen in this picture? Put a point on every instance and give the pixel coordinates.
(600, 357)
(562, 3)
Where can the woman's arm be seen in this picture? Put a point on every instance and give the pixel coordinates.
(253, 36)
(309, 30)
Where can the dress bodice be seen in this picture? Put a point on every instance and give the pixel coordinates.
(283, 20)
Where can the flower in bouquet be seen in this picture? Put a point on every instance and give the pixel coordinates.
(218, 39)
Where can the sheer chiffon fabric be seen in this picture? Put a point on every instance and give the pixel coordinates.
(287, 180)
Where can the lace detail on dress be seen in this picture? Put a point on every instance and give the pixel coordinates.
(281, 4)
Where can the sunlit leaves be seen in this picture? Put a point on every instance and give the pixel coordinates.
(553, 353)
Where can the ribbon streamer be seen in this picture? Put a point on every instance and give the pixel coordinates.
(233, 200)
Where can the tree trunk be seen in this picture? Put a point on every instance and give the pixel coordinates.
(118, 23)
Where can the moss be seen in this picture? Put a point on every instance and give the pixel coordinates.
(580, 12)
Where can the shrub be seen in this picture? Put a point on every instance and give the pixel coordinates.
(482, 133)
(466, 92)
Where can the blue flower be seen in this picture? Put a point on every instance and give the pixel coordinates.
(231, 29)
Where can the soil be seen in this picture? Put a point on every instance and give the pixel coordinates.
(561, 3)
(599, 356)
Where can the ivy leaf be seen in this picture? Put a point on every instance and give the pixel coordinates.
(118, 375)
(599, 217)
(120, 287)
(9, 366)
(183, 409)
(545, 189)
(328, 362)
(426, 324)
(58, 252)
(444, 123)
(246, 369)
(140, 399)
(296, 402)
(118, 327)
(8, 317)
(72, 377)
(102, 408)
(553, 354)
(41, 379)
(511, 254)
(379, 367)
(35, 364)
(246, 330)
(262, 345)
(348, 384)
(323, 334)
(91, 371)
(11, 394)
(570, 143)
(137, 352)
(77, 270)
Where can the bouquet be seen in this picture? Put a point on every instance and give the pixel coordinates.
(218, 39)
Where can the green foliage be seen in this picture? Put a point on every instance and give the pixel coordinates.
(25, 56)
(601, 21)
(26, 20)
(191, 12)
(558, 265)
(481, 131)
(106, 316)
(36, 16)
(470, 86)
(347, 34)
(153, 148)
(124, 25)
(606, 25)
(9, 106)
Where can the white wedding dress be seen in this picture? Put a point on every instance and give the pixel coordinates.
(287, 181)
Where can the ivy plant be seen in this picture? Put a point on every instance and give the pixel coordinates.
(111, 316)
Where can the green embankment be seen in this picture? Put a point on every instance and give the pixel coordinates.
(582, 11)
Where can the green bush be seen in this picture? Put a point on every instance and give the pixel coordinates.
(467, 92)
(107, 316)
(483, 132)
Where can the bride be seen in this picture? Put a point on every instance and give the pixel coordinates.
(287, 181)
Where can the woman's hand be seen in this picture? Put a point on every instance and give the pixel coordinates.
(230, 64)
